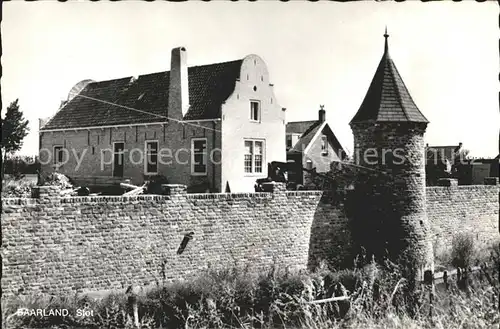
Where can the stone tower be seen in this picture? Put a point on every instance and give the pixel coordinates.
(388, 134)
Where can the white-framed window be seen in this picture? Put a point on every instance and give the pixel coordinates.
(58, 154)
(151, 157)
(254, 156)
(324, 145)
(255, 111)
(198, 156)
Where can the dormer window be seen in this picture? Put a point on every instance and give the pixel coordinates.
(255, 111)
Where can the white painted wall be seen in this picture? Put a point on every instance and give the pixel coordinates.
(236, 125)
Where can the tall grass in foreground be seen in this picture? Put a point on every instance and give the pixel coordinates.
(236, 298)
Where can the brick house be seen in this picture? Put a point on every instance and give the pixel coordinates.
(313, 144)
(211, 127)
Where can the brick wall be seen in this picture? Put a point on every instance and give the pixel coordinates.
(455, 209)
(59, 245)
(88, 155)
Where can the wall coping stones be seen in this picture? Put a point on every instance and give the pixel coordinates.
(260, 195)
(108, 199)
(19, 201)
(207, 196)
(301, 193)
(463, 187)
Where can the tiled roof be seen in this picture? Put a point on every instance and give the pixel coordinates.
(309, 129)
(299, 127)
(209, 86)
(337, 147)
(388, 99)
(306, 137)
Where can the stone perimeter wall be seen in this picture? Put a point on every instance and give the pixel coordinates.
(471, 209)
(62, 245)
(57, 245)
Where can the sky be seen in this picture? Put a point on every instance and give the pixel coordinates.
(316, 53)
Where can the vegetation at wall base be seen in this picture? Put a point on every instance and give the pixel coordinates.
(277, 298)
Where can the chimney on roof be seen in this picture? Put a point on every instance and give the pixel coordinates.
(321, 113)
(178, 92)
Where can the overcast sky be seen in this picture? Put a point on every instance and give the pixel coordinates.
(317, 53)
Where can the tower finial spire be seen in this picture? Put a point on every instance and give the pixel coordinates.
(386, 46)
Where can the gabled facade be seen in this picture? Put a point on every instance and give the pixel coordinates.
(210, 127)
(313, 144)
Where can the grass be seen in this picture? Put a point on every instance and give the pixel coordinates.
(236, 298)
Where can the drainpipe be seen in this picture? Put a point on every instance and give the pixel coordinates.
(213, 146)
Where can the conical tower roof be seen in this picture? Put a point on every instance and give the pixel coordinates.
(388, 99)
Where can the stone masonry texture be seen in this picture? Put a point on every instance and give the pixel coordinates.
(62, 245)
(471, 209)
(395, 200)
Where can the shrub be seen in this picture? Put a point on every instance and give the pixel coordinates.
(17, 188)
(236, 298)
(462, 250)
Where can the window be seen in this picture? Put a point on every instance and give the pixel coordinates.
(199, 156)
(151, 164)
(254, 156)
(288, 142)
(324, 145)
(255, 111)
(58, 155)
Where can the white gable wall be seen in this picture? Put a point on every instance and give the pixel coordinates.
(236, 125)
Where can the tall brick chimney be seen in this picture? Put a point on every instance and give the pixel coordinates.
(178, 93)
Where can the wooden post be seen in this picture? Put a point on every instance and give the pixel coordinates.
(429, 282)
(445, 280)
(431, 301)
(465, 278)
(459, 277)
(132, 304)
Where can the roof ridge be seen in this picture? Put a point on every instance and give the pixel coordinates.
(218, 63)
(168, 71)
